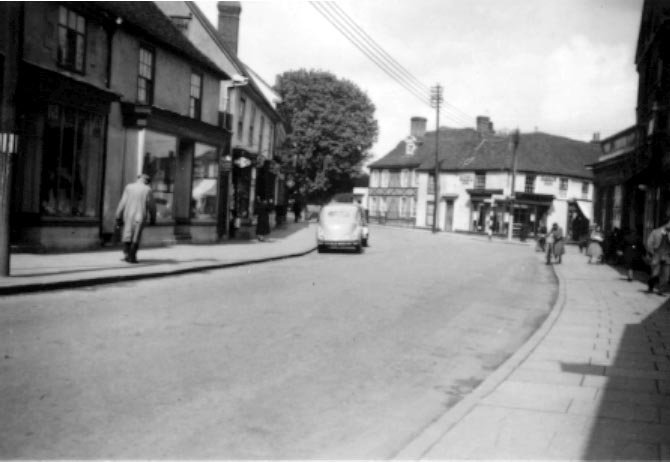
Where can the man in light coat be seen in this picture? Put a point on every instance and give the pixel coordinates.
(658, 251)
(136, 206)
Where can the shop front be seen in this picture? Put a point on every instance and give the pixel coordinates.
(58, 190)
(184, 159)
(483, 210)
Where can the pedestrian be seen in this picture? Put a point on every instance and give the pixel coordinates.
(629, 251)
(541, 239)
(549, 249)
(263, 220)
(658, 252)
(136, 206)
(559, 242)
(595, 248)
(489, 227)
(297, 209)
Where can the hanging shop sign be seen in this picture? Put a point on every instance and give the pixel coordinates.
(242, 162)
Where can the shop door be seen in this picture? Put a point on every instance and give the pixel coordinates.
(449, 217)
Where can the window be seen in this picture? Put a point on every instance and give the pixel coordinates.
(385, 178)
(205, 182)
(71, 39)
(260, 135)
(145, 77)
(374, 179)
(394, 178)
(585, 189)
(563, 187)
(405, 178)
(160, 164)
(431, 183)
(240, 120)
(72, 161)
(195, 106)
(251, 125)
(529, 187)
(480, 180)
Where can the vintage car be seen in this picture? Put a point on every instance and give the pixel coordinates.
(341, 226)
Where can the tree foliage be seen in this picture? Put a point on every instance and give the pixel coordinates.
(330, 129)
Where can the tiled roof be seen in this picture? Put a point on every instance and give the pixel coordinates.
(466, 149)
(147, 19)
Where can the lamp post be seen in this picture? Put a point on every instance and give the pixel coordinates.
(514, 142)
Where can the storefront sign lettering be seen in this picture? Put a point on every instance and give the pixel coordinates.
(467, 178)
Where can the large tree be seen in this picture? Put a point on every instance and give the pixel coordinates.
(331, 127)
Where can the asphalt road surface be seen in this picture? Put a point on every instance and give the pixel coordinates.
(334, 355)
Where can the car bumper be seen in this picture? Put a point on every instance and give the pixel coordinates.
(347, 243)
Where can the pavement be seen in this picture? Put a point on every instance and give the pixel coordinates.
(593, 382)
(32, 272)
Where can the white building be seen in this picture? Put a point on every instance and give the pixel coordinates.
(551, 184)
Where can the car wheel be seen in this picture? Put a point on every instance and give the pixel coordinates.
(359, 248)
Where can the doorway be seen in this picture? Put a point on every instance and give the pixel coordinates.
(449, 216)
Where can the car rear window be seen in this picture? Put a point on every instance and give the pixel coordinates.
(339, 215)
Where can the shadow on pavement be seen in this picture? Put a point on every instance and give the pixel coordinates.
(632, 417)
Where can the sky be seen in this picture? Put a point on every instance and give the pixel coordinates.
(564, 67)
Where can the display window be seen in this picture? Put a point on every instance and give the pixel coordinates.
(160, 164)
(71, 163)
(205, 182)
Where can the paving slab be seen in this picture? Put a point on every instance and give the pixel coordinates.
(39, 272)
(593, 383)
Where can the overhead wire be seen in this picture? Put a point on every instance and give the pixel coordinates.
(374, 58)
(373, 51)
(457, 114)
(366, 44)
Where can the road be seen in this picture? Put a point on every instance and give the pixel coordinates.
(334, 355)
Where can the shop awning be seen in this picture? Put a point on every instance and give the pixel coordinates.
(586, 208)
(533, 198)
(204, 187)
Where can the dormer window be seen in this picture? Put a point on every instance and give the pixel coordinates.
(181, 22)
(410, 146)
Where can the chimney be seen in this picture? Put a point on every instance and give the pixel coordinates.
(596, 138)
(229, 23)
(417, 127)
(484, 125)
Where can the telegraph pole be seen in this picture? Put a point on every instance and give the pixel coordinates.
(12, 28)
(435, 101)
(514, 142)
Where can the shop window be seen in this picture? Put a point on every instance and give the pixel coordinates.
(205, 182)
(195, 102)
(71, 39)
(240, 120)
(160, 164)
(71, 163)
(529, 186)
(145, 77)
(480, 180)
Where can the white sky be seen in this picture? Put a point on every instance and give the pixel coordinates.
(564, 67)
